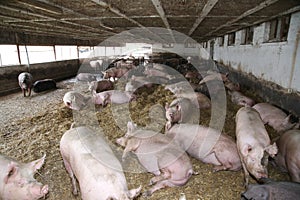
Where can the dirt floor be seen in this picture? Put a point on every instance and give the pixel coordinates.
(33, 126)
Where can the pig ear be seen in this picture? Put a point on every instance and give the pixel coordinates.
(103, 72)
(272, 149)
(12, 169)
(287, 119)
(246, 149)
(37, 164)
(167, 106)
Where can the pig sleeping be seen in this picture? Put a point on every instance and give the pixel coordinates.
(112, 96)
(240, 99)
(272, 190)
(17, 181)
(86, 77)
(274, 117)
(181, 110)
(100, 86)
(288, 157)
(89, 158)
(253, 143)
(44, 85)
(115, 72)
(159, 156)
(25, 82)
(207, 145)
(75, 100)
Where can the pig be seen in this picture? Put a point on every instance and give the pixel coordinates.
(25, 82)
(89, 159)
(253, 143)
(112, 96)
(44, 85)
(193, 75)
(207, 145)
(159, 70)
(182, 86)
(203, 101)
(159, 156)
(86, 77)
(274, 117)
(96, 64)
(124, 64)
(75, 100)
(279, 190)
(17, 181)
(240, 99)
(181, 110)
(115, 72)
(288, 156)
(100, 86)
(232, 86)
(139, 81)
(214, 76)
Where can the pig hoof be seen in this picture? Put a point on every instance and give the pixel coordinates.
(147, 193)
(75, 192)
(151, 182)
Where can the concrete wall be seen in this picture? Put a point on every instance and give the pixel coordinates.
(54, 70)
(278, 62)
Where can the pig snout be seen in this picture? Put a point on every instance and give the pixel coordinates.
(121, 141)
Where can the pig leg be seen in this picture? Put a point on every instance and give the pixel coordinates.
(71, 174)
(165, 175)
(294, 172)
(106, 99)
(158, 186)
(29, 91)
(246, 175)
(24, 92)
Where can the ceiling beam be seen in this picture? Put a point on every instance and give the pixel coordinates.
(65, 9)
(206, 9)
(163, 17)
(245, 14)
(119, 13)
(19, 11)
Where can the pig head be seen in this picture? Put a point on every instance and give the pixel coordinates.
(17, 180)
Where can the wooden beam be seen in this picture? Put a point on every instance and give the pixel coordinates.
(206, 9)
(119, 13)
(163, 17)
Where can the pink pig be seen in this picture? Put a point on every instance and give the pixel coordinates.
(240, 99)
(181, 110)
(17, 181)
(274, 117)
(253, 143)
(156, 152)
(112, 96)
(89, 158)
(207, 145)
(288, 157)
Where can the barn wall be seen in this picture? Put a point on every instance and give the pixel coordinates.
(277, 62)
(54, 70)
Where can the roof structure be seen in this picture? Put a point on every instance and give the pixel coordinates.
(90, 22)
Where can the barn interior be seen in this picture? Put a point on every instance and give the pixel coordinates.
(255, 42)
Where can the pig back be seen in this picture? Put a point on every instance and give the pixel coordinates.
(250, 127)
(93, 164)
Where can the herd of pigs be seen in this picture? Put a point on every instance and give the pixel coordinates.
(90, 160)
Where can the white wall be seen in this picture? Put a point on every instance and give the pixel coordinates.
(278, 62)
